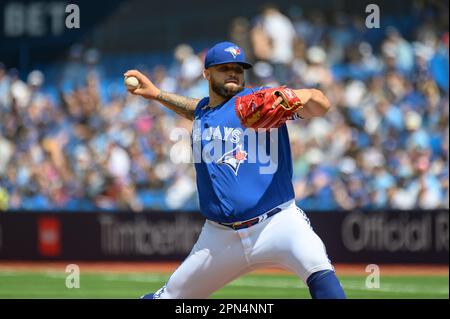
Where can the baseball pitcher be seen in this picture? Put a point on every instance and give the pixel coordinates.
(252, 220)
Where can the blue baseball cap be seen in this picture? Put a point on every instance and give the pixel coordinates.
(226, 52)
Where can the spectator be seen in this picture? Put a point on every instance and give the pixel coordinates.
(279, 34)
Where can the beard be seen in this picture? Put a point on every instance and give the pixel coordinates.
(226, 92)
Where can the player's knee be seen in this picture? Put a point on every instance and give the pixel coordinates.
(325, 285)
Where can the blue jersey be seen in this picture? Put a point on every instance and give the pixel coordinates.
(229, 164)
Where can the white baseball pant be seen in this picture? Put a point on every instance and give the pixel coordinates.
(222, 254)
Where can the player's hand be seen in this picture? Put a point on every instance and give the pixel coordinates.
(146, 87)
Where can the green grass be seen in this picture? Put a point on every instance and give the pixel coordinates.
(20, 284)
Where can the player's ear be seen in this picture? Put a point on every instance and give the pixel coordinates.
(206, 74)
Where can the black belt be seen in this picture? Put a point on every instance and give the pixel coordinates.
(253, 221)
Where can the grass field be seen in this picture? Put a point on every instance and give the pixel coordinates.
(50, 283)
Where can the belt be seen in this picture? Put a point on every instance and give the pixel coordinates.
(253, 221)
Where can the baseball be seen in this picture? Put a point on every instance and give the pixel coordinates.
(131, 82)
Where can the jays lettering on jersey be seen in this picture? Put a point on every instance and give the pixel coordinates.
(230, 182)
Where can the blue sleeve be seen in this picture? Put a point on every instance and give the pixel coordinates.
(200, 104)
(261, 88)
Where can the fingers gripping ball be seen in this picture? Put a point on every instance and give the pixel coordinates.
(258, 109)
(132, 82)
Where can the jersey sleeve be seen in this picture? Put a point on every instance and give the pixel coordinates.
(199, 106)
(258, 88)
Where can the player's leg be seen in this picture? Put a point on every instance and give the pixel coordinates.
(216, 259)
(310, 261)
(324, 284)
(289, 241)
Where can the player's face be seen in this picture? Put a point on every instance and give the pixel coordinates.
(226, 79)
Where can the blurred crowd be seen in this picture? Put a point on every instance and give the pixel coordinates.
(384, 143)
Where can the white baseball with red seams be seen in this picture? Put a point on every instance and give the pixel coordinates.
(223, 254)
(132, 82)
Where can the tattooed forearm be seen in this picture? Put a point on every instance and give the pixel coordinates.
(181, 105)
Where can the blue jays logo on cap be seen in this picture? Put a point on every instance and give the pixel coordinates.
(235, 51)
(226, 52)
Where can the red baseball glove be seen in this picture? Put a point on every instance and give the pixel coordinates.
(257, 110)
